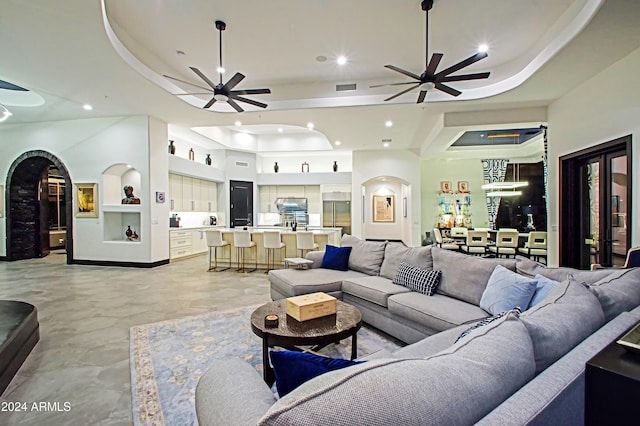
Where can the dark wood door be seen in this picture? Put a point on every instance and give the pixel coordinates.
(42, 215)
(241, 203)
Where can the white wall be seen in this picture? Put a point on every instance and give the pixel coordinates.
(435, 171)
(87, 148)
(401, 165)
(602, 109)
(292, 162)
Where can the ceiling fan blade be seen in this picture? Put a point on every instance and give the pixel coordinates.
(403, 92)
(392, 84)
(186, 82)
(250, 101)
(192, 94)
(463, 77)
(208, 104)
(251, 92)
(237, 78)
(234, 105)
(447, 89)
(433, 64)
(423, 94)
(470, 60)
(401, 71)
(204, 77)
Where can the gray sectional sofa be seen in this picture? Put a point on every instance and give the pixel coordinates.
(517, 369)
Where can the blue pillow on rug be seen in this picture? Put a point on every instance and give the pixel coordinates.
(543, 289)
(336, 258)
(293, 368)
(507, 290)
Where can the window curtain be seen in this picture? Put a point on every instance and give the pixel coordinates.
(494, 171)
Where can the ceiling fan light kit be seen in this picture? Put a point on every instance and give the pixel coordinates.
(223, 92)
(430, 79)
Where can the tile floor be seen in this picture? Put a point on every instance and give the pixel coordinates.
(85, 313)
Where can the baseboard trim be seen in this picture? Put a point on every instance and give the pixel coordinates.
(3, 258)
(120, 264)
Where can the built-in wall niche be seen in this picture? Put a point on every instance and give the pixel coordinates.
(116, 225)
(115, 178)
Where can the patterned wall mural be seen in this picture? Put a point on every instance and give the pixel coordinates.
(494, 170)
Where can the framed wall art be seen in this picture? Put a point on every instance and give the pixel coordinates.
(384, 208)
(463, 186)
(445, 187)
(87, 200)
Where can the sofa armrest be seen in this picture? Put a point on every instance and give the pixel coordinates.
(317, 257)
(232, 392)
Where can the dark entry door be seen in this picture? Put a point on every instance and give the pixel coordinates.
(241, 206)
(597, 207)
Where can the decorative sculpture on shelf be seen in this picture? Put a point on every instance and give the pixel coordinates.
(276, 167)
(129, 197)
(305, 167)
(192, 155)
(335, 166)
(172, 147)
(207, 160)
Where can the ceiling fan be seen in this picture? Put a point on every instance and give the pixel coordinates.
(429, 79)
(223, 92)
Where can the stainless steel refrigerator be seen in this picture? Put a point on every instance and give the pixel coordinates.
(336, 210)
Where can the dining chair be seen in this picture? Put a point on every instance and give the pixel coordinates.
(305, 242)
(242, 241)
(476, 243)
(215, 242)
(506, 243)
(272, 241)
(459, 234)
(536, 246)
(443, 242)
(632, 260)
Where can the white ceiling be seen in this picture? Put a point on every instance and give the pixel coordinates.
(539, 50)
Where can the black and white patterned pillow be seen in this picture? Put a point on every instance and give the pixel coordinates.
(417, 279)
(487, 321)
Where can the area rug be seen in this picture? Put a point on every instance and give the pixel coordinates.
(168, 358)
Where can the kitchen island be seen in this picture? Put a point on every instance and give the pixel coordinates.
(189, 241)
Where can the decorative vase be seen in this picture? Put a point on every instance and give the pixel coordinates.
(128, 232)
(172, 148)
(276, 167)
(192, 155)
(305, 167)
(530, 226)
(335, 166)
(207, 160)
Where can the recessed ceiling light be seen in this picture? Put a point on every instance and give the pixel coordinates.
(388, 123)
(483, 48)
(87, 107)
(180, 53)
(338, 143)
(385, 144)
(280, 130)
(341, 60)
(310, 125)
(321, 58)
(220, 70)
(238, 123)
(129, 166)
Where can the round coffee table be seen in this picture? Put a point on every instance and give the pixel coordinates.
(290, 333)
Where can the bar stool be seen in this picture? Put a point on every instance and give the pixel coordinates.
(506, 243)
(476, 243)
(304, 242)
(442, 242)
(242, 241)
(271, 241)
(536, 247)
(215, 241)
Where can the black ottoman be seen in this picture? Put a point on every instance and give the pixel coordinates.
(19, 333)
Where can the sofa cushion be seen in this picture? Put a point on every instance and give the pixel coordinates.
(618, 292)
(366, 256)
(417, 279)
(507, 290)
(336, 258)
(373, 289)
(294, 282)
(565, 318)
(487, 321)
(465, 277)
(528, 267)
(394, 254)
(476, 374)
(430, 345)
(293, 368)
(436, 312)
(543, 289)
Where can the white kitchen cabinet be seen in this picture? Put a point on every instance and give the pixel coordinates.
(198, 241)
(188, 202)
(175, 192)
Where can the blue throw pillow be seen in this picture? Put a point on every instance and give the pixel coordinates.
(336, 258)
(507, 290)
(543, 288)
(294, 368)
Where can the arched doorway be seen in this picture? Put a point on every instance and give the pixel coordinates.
(28, 206)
